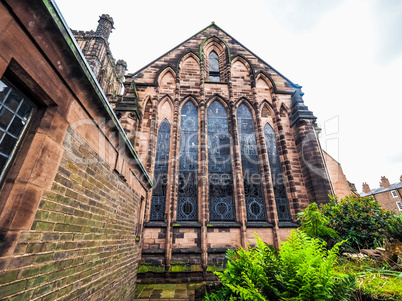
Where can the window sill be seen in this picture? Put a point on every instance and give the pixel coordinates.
(288, 225)
(259, 225)
(182, 224)
(155, 224)
(223, 225)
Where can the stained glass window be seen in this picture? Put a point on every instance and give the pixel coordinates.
(15, 113)
(160, 173)
(252, 178)
(213, 63)
(278, 178)
(187, 208)
(221, 203)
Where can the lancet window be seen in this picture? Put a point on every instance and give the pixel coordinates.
(160, 173)
(219, 165)
(278, 178)
(250, 165)
(187, 207)
(213, 63)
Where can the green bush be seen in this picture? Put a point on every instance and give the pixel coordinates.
(394, 227)
(303, 269)
(359, 220)
(315, 223)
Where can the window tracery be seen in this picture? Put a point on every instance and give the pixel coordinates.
(278, 178)
(252, 180)
(160, 173)
(187, 202)
(219, 165)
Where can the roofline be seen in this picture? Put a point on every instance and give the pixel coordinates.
(213, 24)
(60, 22)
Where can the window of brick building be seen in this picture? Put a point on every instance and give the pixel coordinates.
(394, 194)
(399, 205)
(15, 113)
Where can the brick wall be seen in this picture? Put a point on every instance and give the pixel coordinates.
(387, 200)
(82, 243)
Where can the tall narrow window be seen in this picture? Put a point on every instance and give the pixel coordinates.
(213, 63)
(221, 204)
(187, 208)
(278, 178)
(160, 173)
(250, 164)
(15, 113)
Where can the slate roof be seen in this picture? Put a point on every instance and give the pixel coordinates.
(382, 189)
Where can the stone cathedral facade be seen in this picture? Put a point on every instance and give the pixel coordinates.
(231, 147)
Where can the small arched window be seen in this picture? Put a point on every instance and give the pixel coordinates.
(213, 62)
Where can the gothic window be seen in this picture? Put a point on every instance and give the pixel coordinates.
(160, 173)
(221, 203)
(15, 113)
(187, 208)
(250, 165)
(213, 63)
(278, 178)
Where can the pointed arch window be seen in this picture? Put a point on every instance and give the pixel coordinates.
(252, 179)
(221, 203)
(160, 173)
(278, 178)
(187, 202)
(213, 63)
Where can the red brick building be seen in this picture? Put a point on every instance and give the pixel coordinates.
(388, 195)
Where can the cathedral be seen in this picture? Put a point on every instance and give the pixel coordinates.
(228, 141)
(109, 178)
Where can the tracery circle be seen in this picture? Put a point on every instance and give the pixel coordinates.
(255, 208)
(188, 124)
(221, 208)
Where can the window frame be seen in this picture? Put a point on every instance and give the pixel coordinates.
(22, 135)
(394, 194)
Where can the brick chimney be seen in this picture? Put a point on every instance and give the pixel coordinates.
(366, 187)
(384, 182)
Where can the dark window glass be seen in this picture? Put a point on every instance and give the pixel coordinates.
(278, 179)
(213, 63)
(221, 203)
(15, 112)
(250, 165)
(188, 164)
(160, 173)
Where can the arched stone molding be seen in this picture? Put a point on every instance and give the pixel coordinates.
(267, 78)
(249, 66)
(221, 99)
(166, 80)
(166, 110)
(214, 43)
(184, 57)
(189, 71)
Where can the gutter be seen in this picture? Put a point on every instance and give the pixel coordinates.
(54, 11)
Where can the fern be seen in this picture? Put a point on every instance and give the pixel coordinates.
(302, 270)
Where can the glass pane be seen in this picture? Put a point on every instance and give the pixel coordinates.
(3, 162)
(188, 164)
(16, 126)
(219, 165)
(13, 100)
(161, 172)
(6, 117)
(278, 179)
(213, 62)
(24, 110)
(7, 144)
(250, 165)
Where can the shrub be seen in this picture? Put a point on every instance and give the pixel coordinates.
(394, 227)
(314, 223)
(359, 220)
(303, 269)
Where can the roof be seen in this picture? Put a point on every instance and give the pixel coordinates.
(217, 27)
(382, 189)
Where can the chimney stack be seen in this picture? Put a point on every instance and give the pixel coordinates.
(105, 26)
(400, 178)
(366, 188)
(384, 182)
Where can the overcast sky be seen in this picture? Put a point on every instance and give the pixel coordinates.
(347, 55)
